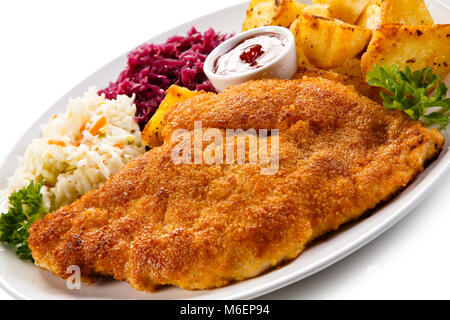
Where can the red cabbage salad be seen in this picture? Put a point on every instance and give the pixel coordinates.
(153, 68)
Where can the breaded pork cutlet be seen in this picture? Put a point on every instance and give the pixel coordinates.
(203, 226)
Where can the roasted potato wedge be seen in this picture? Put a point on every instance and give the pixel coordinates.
(328, 43)
(372, 15)
(415, 46)
(271, 12)
(151, 135)
(409, 12)
(321, 10)
(295, 28)
(345, 10)
(351, 67)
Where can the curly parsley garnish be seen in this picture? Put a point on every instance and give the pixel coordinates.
(407, 91)
(25, 207)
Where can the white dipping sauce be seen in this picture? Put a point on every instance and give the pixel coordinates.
(251, 54)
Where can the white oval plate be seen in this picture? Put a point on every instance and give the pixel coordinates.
(23, 280)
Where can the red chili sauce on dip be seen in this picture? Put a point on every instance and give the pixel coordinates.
(251, 53)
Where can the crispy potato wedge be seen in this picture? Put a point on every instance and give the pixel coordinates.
(328, 43)
(372, 15)
(151, 135)
(351, 67)
(291, 11)
(415, 46)
(261, 13)
(409, 12)
(358, 83)
(271, 12)
(345, 10)
(321, 10)
(295, 28)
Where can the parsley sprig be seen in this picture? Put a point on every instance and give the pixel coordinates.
(25, 207)
(407, 91)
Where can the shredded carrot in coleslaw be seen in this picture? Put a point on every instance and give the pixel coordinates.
(57, 142)
(100, 123)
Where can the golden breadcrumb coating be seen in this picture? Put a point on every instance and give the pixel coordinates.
(202, 226)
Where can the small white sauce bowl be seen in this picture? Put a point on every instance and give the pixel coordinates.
(282, 67)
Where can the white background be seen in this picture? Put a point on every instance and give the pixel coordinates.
(47, 47)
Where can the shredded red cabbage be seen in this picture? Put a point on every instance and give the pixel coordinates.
(153, 68)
